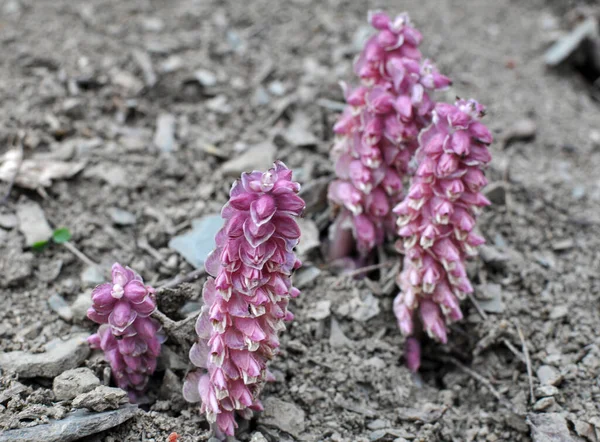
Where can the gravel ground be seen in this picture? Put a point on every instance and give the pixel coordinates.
(87, 85)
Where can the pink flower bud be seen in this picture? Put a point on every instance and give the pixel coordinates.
(377, 133)
(438, 218)
(246, 302)
(132, 356)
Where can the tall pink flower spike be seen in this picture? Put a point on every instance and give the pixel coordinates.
(129, 337)
(436, 222)
(377, 132)
(246, 299)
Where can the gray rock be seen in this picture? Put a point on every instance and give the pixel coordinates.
(383, 434)
(493, 298)
(15, 267)
(320, 310)
(522, 130)
(258, 437)
(81, 305)
(122, 217)
(337, 338)
(32, 222)
(546, 391)
(544, 403)
(309, 237)
(285, 416)
(559, 311)
(8, 220)
(496, 193)
(58, 304)
(257, 157)
(314, 193)
(549, 375)
(113, 174)
(277, 88)
(549, 427)
(367, 308)
(75, 426)
(101, 398)
(164, 137)
(92, 276)
(205, 78)
(378, 424)
(299, 133)
(220, 104)
(59, 356)
(74, 382)
(196, 244)
(305, 276)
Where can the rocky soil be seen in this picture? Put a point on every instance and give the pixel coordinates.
(134, 118)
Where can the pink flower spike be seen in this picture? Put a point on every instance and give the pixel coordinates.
(129, 338)
(247, 296)
(377, 133)
(437, 220)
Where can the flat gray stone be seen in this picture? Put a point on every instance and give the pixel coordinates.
(101, 398)
(58, 304)
(122, 217)
(164, 137)
(74, 382)
(309, 237)
(196, 244)
(285, 416)
(92, 276)
(258, 157)
(59, 356)
(32, 222)
(75, 426)
(549, 427)
(549, 375)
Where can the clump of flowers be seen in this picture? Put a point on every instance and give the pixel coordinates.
(246, 299)
(377, 132)
(129, 337)
(436, 222)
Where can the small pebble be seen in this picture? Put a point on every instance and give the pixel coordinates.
(544, 404)
(549, 375)
(122, 217)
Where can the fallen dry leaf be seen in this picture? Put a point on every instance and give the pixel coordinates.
(35, 172)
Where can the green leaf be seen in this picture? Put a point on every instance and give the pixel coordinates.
(40, 245)
(61, 236)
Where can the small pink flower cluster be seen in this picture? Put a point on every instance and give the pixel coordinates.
(377, 133)
(437, 218)
(128, 336)
(245, 303)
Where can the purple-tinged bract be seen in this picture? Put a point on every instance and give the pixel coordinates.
(129, 337)
(246, 299)
(376, 136)
(436, 221)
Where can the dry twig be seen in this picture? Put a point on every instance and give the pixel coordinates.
(527, 363)
(79, 254)
(367, 269)
(180, 279)
(477, 306)
(501, 399)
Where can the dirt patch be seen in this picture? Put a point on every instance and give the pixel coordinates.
(90, 83)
